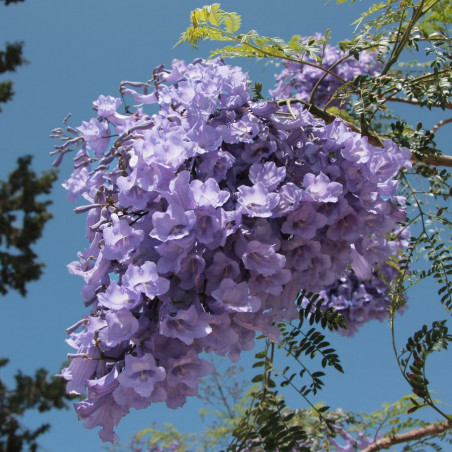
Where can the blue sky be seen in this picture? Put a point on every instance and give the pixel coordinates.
(81, 49)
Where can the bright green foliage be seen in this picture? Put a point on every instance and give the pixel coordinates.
(305, 424)
(165, 437)
(390, 13)
(439, 19)
(393, 418)
(212, 23)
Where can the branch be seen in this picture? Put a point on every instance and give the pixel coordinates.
(437, 160)
(374, 139)
(440, 124)
(400, 45)
(448, 105)
(431, 430)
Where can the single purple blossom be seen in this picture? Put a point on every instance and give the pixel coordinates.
(256, 201)
(106, 106)
(262, 258)
(233, 297)
(120, 239)
(208, 193)
(141, 373)
(96, 135)
(304, 222)
(175, 223)
(117, 297)
(320, 189)
(186, 326)
(145, 279)
(121, 326)
(268, 173)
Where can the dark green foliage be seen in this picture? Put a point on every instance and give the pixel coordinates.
(6, 91)
(10, 2)
(257, 91)
(10, 59)
(297, 343)
(269, 424)
(420, 141)
(37, 392)
(22, 219)
(413, 358)
(441, 260)
(315, 313)
(313, 342)
(432, 242)
(390, 28)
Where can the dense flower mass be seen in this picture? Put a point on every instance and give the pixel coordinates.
(360, 301)
(205, 220)
(300, 81)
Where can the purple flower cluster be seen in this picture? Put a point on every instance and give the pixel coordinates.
(205, 220)
(360, 300)
(298, 80)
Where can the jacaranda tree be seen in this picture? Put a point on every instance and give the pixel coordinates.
(217, 213)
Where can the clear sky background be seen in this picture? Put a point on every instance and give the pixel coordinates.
(81, 49)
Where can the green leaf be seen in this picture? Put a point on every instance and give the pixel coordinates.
(232, 22)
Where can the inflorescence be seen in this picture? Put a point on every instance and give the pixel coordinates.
(205, 221)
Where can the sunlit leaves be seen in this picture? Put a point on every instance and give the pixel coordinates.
(212, 23)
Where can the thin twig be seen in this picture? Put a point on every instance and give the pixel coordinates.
(400, 45)
(402, 100)
(440, 124)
